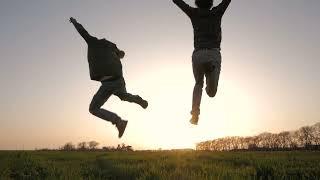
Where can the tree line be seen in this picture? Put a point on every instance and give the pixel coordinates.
(91, 146)
(305, 138)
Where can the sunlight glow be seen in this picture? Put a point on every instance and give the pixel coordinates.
(166, 122)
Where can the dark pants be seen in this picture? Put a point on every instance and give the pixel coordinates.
(205, 63)
(115, 87)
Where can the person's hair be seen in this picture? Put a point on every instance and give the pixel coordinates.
(204, 4)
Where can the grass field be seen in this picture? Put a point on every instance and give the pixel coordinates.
(178, 165)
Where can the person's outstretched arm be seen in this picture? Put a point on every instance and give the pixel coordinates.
(83, 32)
(222, 7)
(183, 6)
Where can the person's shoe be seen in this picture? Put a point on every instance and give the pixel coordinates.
(121, 126)
(144, 104)
(194, 119)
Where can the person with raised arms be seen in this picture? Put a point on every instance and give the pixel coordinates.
(206, 57)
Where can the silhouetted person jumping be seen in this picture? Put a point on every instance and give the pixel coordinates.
(105, 66)
(206, 57)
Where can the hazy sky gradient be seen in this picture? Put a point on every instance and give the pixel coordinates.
(270, 78)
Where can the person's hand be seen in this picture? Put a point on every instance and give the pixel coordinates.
(121, 54)
(72, 20)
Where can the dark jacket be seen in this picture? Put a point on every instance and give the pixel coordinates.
(103, 56)
(206, 23)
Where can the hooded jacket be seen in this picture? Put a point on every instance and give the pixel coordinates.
(103, 56)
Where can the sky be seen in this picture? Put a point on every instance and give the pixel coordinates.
(270, 78)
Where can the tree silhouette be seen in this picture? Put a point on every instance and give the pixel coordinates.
(68, 147)
(82, 146)
(93, 145)
(307, 137)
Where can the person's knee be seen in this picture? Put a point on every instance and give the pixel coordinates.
(212, 92)
(93, 110)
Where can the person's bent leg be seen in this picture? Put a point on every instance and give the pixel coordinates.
(212, 80)
(97, 102)
(212, 75)
(122, 93)
(103, 94)
(124, 96)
